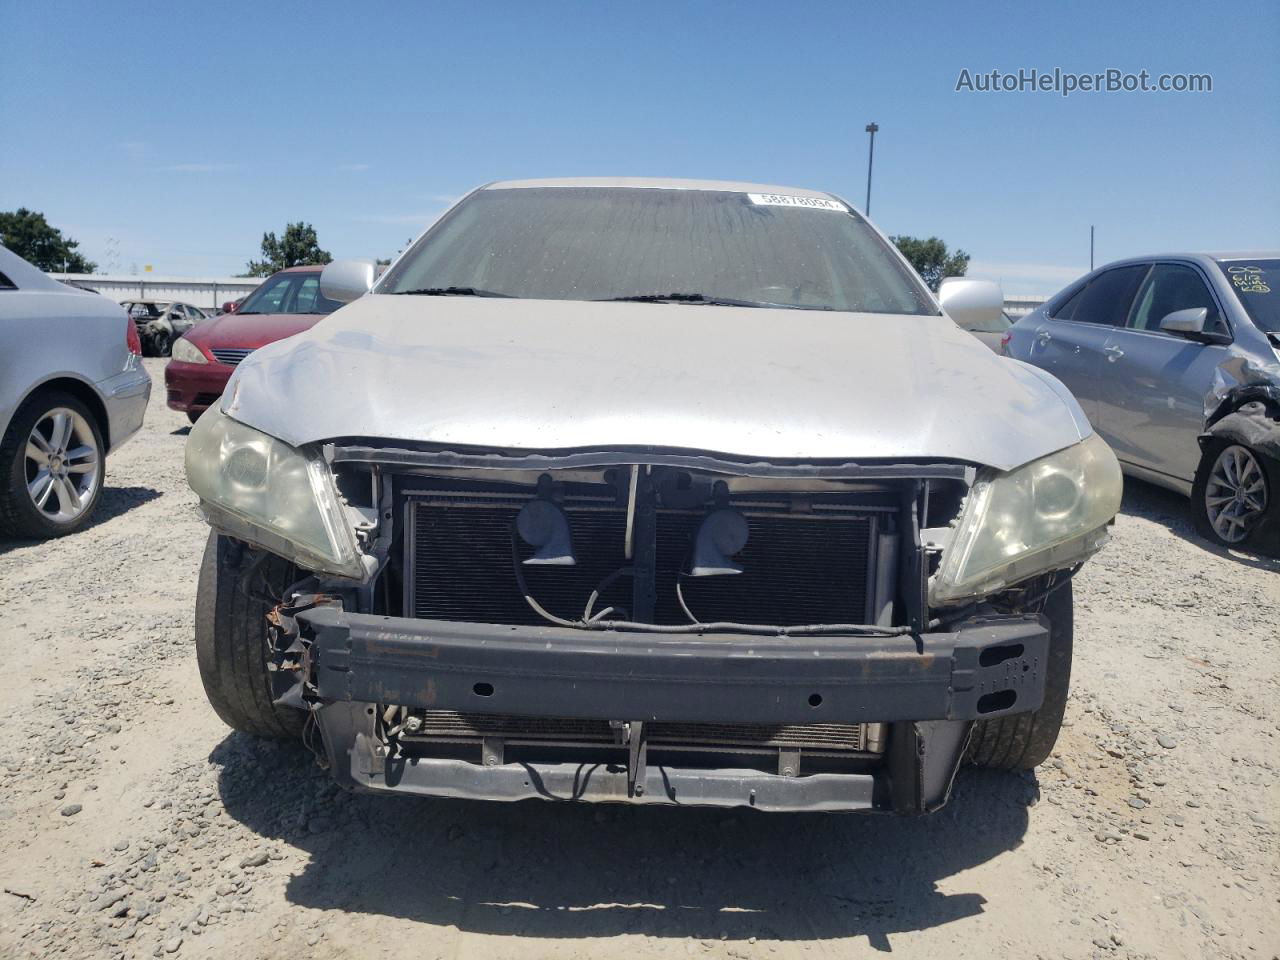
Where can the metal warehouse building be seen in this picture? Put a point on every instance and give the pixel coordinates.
(208, 293)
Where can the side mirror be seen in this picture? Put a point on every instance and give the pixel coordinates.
(229, 307)
(347, 280)
(1188, 322)
(973, 304)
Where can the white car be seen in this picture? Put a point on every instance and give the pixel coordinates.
(72, 389)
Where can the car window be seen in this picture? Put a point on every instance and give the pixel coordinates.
(289, 293)
(1170, 287)
(6, 283)
(1107, 298)
(1064, 309)
(308, 295)
(197, 314)
(608, 243)
(1257, 285)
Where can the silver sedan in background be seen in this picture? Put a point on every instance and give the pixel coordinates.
(1174, 360)
(72, 389)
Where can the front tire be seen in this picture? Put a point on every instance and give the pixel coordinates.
(1023, 741)
(1235, 498)
(52, 465)
(232, 645)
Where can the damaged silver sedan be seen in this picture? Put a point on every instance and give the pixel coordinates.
(646, 491)
(1176, 361)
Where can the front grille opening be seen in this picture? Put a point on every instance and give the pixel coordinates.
(806, 563)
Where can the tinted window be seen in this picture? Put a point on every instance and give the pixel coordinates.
(1170, 287)
(289, 293)
(6, 283)
(603, 243)
(1257, 285)
(1107, 298)
(1066, 308)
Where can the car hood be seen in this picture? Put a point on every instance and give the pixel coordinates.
(251, 330)
(746, 382)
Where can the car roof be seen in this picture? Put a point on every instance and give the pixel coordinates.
(306, 268)
(660, 183)
(1202, 257)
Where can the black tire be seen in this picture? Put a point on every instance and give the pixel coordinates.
(19, 516)
(1265, 534)
(164, 344)
(1025, 740)
(232, 646)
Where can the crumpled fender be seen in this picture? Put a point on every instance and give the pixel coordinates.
(1254, 424)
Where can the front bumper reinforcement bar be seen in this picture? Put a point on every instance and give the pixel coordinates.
(927, 687)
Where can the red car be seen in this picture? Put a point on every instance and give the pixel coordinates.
(288, 302)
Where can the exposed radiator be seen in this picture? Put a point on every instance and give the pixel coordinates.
(799, 567)
(820, 738)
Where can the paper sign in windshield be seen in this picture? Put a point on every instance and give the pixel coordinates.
(782, 200)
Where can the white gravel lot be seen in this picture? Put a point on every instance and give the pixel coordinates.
(134, 824)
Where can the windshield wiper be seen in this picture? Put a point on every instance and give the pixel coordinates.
(702, 298)
(450, 292)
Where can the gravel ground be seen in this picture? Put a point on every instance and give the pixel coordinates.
(133, 824)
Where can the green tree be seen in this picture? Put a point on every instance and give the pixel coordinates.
(29, 235)
(931, 259)
(299, 247)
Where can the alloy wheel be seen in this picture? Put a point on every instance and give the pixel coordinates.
(1235, 498)
(62, 465)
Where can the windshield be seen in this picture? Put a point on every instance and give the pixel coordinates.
(289, 293)
(1257, 284)
(684, 246)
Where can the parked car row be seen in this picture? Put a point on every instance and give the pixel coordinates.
(591, 445)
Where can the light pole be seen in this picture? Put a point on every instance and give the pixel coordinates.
(871, 155)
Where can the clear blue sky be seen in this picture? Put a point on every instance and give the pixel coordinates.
(185, 130)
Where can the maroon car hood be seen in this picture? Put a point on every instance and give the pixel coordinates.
(250, 330)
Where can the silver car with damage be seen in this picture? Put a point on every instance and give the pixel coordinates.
(646, 491)
(1174, 359)
(72, 389)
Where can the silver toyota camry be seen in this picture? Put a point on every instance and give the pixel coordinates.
(1174, 359)
(646, 491)
(72, 389)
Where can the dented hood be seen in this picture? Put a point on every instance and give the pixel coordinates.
(746, 382)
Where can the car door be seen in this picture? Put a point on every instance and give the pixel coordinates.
(187, 319)
(1159, 380)
(1070, 343)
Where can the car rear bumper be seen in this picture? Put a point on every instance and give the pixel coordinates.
(125, 397)
(194, 387)
(926, 689)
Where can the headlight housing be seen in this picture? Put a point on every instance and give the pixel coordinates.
(1048, 514)
(187, 352)
(265, 492)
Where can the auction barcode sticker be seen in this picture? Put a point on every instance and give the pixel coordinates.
(813, 203)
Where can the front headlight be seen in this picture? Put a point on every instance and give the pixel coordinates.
(1048, 514)
(187, 352)
(258, 489)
